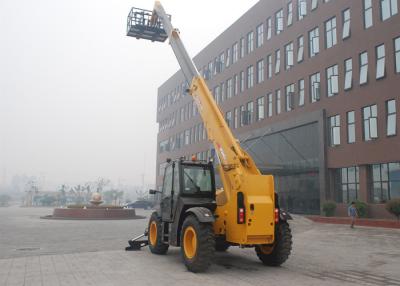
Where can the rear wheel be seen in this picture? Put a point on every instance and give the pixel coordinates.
(156, 243)
(197, 244)
(275, 255)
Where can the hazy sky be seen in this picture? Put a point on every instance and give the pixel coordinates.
(78, 97)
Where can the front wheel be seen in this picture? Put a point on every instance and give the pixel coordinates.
(275, 255)
(156, 243)
(197, 244)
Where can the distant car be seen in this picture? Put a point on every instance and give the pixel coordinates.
(140, 205)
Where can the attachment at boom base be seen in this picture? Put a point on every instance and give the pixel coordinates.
(137, 243)
(141, 25)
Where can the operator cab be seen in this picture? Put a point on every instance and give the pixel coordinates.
(186, 184)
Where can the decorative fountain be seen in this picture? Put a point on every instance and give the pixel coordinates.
(93, 211)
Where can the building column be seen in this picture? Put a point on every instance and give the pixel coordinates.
(363, 189)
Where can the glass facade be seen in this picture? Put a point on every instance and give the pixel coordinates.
(385, 183)
(292, 157)
(347, 184)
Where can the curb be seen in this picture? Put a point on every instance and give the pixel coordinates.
(359, 221)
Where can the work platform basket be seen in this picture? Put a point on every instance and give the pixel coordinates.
(140, 26)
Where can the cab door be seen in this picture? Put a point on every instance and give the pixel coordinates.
(166, 196)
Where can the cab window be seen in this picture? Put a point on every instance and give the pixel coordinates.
(167, 182)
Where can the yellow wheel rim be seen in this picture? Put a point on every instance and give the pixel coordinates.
(190, 242)
(266, 249)
(153, 233)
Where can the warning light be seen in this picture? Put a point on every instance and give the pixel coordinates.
(194, 158)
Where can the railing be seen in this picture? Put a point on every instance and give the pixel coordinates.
(141, 26)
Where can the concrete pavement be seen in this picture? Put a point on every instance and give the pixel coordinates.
(83, 253)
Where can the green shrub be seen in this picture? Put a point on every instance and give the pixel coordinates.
(393, 206)
(361, 209)
(329, 208)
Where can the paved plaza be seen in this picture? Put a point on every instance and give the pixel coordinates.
(34, 251)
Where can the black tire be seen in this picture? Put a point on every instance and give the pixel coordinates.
(281, 249)
(205, 245)
(221, 245)
(157, 246)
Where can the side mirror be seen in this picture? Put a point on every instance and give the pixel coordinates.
(153, 192)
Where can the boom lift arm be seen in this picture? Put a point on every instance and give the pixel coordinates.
(246, 213)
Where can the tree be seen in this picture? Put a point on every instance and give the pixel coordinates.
(4, 200)
(78, 193)
(47, 200)
(63, 195)
(101, 183)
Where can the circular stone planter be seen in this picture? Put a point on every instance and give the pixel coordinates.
(93, 213)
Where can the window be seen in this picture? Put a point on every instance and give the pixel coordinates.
(363, 68)
(269, 28)
(235, 52)
(221, 62)
(228, 118)
(288, 56)
(250, 77)
(346, 24)
(314, 4)
(236, 118)
(367, 14)
(334, 130)
(260, 71)
(250, 42)
(301, 9)
(278, 22)
(315, 90)
(391, 117)
(278, 101)
(242, 47)
(388, 9)
(250, 112)
(222, 92)
(187, 136)
(332, 80)
(269, 66)
(167, 186)
(216, 66)
(370, 122)
(241, 86)
(217, 94)
(270, 107)
(277, 61)
(243, 116)
(348, 179)
(229, 88)
(301, 92)
(228, 57)
(235, 84)
(330, 33)
(380, 61)
(385, 182)
(260, 109)
(351, 127)
(348, 74)
(289, 97)
(289, 13)
(210, 70)
(313, 36)
(397, 53)
(300, 49)
(260, 35)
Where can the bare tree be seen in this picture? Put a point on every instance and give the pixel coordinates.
(101, 183)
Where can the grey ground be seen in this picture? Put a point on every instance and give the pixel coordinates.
(53, 252)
